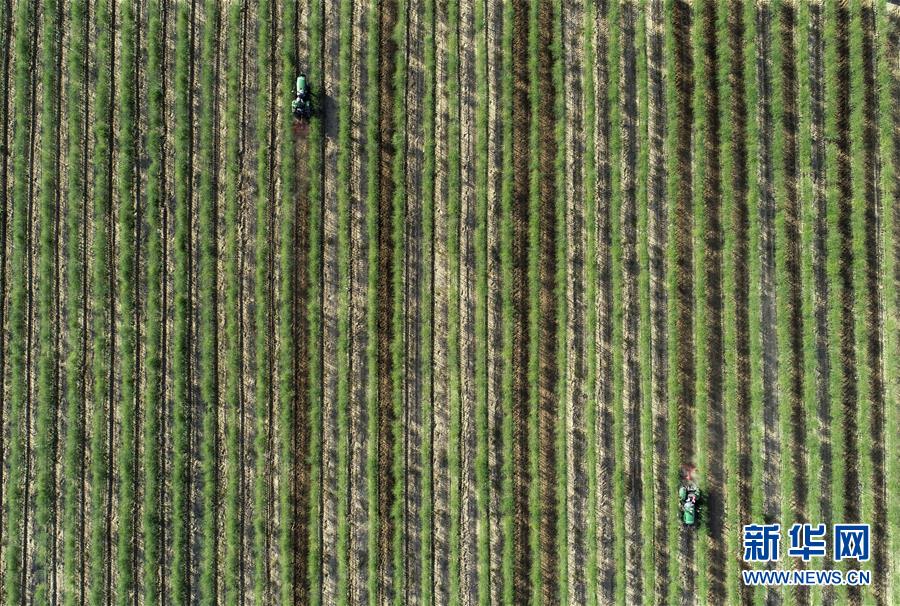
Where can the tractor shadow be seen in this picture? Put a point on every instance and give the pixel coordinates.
(325, 106)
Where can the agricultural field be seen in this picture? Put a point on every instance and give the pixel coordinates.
(455, 328)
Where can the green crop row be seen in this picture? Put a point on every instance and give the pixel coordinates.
(263, 299)
(73, 521)
(153, 438)
(232, 391)
(126, 552)
(287, 294)
(48, 349)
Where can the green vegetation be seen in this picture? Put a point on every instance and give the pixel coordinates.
(262, 491)
(482, 489)
(76, 222)
(154, 389)
(182, 339)
(373, 101)
(507, 312)
(343, 304)
(427, 298)
(103, 311)
(48, 348)
(287, 366)
(314, 314)
(232, 391)
(20, 399)
(398, 314)
(209, 304)
(128, 356)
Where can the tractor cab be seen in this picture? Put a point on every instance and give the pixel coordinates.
(301, 106)
(689, 497)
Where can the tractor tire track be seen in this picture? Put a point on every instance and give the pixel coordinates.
(576, 379)
(740, 224)
(360, 373)
(872, 300)
(713, 348)
(470, 524)
(657, 228)
(684, 367)
(604, 303)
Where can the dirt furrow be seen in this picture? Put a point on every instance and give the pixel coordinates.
(631, 373)
(737, 114)
(360, 373)
(794, 363)
(657, 228)
(546, 334)
(521, 120)
(441, 431)
(713, 347)
(846, 333)
(386, 64)
(495, 319)
(330, 296)
(604, 304)
(819, 261)
(683, 254)
(872, 300)
(771, 446)
(415, 422)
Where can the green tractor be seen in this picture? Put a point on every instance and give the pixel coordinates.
(301, 106)
(689, 497)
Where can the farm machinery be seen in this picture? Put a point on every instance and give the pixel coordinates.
(689, 497)
(301, 106)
